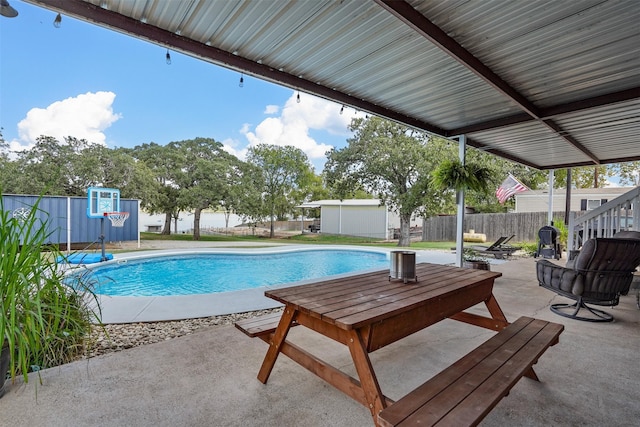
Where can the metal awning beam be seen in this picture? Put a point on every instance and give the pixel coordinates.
(112, 20)
(554, 111)
(427, 29)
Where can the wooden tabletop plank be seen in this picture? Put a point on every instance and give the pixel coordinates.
(321, 287)
(307, 296)
(380, 310)
(351, 300)
(317, 288)
(416, 292)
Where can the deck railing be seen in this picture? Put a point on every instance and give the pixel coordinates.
(616, 215)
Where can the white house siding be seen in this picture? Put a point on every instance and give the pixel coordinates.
(538, 200)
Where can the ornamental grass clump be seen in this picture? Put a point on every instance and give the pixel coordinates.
(45, 319)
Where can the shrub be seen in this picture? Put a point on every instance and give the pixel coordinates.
(43, 321)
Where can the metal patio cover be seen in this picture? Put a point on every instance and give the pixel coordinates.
(550, 84)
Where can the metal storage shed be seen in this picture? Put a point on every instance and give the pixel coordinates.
(68, 222)
(355, 217)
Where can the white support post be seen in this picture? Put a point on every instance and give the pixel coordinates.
(462, 142)
(550, 212)
(571, 236)
(69, 225)
(138, 223)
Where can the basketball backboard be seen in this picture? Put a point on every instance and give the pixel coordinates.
(101, 201)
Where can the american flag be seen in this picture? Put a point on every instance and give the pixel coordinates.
(508, 188)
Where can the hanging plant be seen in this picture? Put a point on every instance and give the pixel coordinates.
(453, 175)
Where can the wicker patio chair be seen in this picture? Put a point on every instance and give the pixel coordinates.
(602, 271)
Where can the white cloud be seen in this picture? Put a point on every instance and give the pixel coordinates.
(292, 127)
(271, 109)
(246, 127)
(84, 117)
(318, 113)
(232, 146)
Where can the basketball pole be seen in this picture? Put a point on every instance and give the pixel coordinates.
(104, 255)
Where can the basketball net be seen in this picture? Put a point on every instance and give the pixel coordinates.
(117, 218)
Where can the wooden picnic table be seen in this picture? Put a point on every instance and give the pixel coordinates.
(368, 311)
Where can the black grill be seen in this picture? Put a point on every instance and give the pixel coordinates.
(548, 246)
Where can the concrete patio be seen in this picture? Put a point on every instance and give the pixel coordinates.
(591, 378)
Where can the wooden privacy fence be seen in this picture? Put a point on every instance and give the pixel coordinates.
(524, 225)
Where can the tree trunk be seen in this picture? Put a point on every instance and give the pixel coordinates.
(405, 230)
(271, 233)
(196, 224)
(166, 230)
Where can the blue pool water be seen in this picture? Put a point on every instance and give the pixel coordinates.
(210, 273)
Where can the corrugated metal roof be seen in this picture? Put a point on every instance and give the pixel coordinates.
(337, 202)
(547, 83)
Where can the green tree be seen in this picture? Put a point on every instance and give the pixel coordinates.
(241, 193)
(51, 167)
(286, 175)
(391, 161)
(202, 175)
(70, 167)
(163, 162)
(245, 193)
(629, 173)
(119, 169)
(8, 168)
(584, 177)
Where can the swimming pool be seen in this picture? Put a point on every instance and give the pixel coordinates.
(205, 273)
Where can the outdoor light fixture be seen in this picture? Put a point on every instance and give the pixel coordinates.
(342, 110)
(168, 56)
(298, 98)
(241, 81)
(57, 21)
(6, 10)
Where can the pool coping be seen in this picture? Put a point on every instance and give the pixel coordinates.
(116, 309)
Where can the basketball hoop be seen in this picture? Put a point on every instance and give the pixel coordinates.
(117, 218)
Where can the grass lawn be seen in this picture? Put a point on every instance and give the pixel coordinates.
(321, 239)
(307, 238)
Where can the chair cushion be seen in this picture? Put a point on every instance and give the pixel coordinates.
(583, 260)
(627, 235)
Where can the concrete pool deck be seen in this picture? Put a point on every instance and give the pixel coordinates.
(162, 308)
(208, 378)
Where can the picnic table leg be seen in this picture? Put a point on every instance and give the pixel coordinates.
(496, 312)
(275, 345)
(368, 380)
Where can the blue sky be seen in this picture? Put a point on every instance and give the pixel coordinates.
(89, 82)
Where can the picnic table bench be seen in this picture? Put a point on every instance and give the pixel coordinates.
(367, 312)
(260, 326)
(465, 392)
